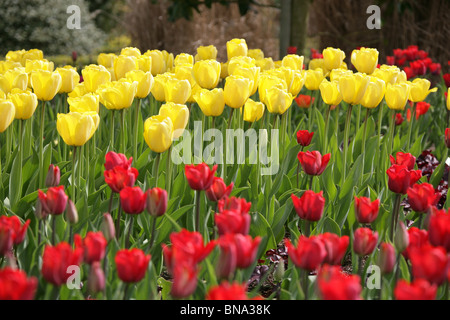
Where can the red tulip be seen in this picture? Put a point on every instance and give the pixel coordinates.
(313, 163)
(400, 178)
(421, 109)
(246, 249)
(292, 50)
(304, 137)
(304, 101)
(390, 60)
(447, 137)
(108, 227)
(386, 258)
(309, 254)
(422, 197)
(419, 68)
(93, 245)
(228, 291)
(429, 263)
(113, 160)
(447, 79)
(200, 177)
(439, 229)
(235, 204)
(131, 264)
(419, 289)
(57, 259)
(366, 211)
(399, 119)
(18, 231)
(54, 201)
(228, 257)
(406, 159)
(53, 176)
(218, 190)
(333, 284)
(417, 239)
(335, 246)
(120, 177)
(310, 205)
(365, 241)
(232, 221)
(184, 279)
(156, 202)
(133, 200)
(15, 285)
(410, 72)
(6, 239)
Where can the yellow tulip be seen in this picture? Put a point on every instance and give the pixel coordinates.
(388, 74)
(78, 91)
(448, 99)
(293, 61)
(177, 91)
(353, 87)
(256, 54)
(131, 51)
(236, 91)
(32, 54)
(278, 100)
(118, 95)
(179, 114)
(396, 95)
(333, 58)
(14, 78)
(223, 70)
(419, 89)
(330, 92)
(240, 61)
(7, 114)
(158, 63)
(206, 73)
(15, 56)
(106, 60)
(267, 81)
(159, 85)
(365, 60)
(194, 90)
(158, 133)
(144, 63)
(206, 53)
(94, 76)
(77, 128)
(297, 83)
(251, 73)
(69, 77)
(402, 77)
(313, 78)
(124, 64)
(25, 103)
(35, 65)
(45, 84)
(236, 48)
(145, 82)
(90, 102)
(253, 111)
(184, 58)
(8, 65)
(184, 72)
(2, 95)
(336, 73)
(374, 93)
(316, 64)
(211, 102)
(168, 59)
(265, 64)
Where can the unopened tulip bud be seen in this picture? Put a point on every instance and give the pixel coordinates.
(279, 271)
(156, 202)
(107, 227)
(71, 212)
(401, 238)
(53, 176)
(386, 258)
(96, 280)
(39, 211)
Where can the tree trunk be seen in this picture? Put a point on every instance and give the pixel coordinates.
(285, 27)
(299, 24)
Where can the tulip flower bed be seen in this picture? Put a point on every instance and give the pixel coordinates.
(149, 176)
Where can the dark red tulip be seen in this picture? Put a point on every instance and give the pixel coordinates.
(335, 246)
(419, 289)
(366, 211)
(113, 160)
(310, 205)
(447, 137)
(313, 163)
(435, 69)
(218, 190)
(229, 291)
(292, 50)
(235, 204)
(119, 178)
(53, 176)
(419, 67)
(365, 241)
(429, 263)
(406, 159)
(232, 221)
(57, 259)
(390, 60)
(156, 202)
(93, 245)
(439, 229)
(133, 200)
(309, 253)
(447, 79)
(333, 284)
(131, 264)
(54, 201)
(399, 119)
(304, 101)
(304, 137)
(401, 179)
(18, 230)
(386, 258)
(417, 238)
(200, 177)
(15, 285)
(422, 197)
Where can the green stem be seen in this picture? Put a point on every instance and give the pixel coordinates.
(411, 123)
(345, 146)
(307, 226)
(122, 128)
(391, 131)
(325, 138)
(119, 217)
(197, 210)
(53, 229)
(130, 227)
(136, 126)
(361, 270)
(21, 128)
(112, 130)
(306, 283)
(395, 213)
(152, 236)
(156, 168)
(74, 157)
(169, 172)
(41, 147)
(363, 147)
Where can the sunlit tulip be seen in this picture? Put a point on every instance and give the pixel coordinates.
(90, 102)
(158, 63)
(158, 133)
(8, 65)
(15, 55)
(159, 85)
(206, 73)
(253, 111)
(223, 70)
(330, 92)
(94, 76)
(448, 99)
(211, 102)
(177, 91)
(144, 63)
(265, 64)
(195, 89)
(118, 95)
(236, 47)
(293, 61)
(335, 74)
(77, 128)
(297, 83)
(278, 100)
(365, 60)
(184, 58)
(388, 74)
(374, 93)
(266, 82)
(78, 91)
(123, 64)
(25, 102)
(333, 58)
(45, 84)
(7, 114)
(168, 60)
(144, 80)
(316, 64)
(69, 77)
(178, 113)
(353, 87)
(236, 91)
(240, 62)
(206, 53)
(106, 59)
(32, 54)
(397, 95)
(313, 79)
(251, 73)
(14, 78)
(419, 89)
(256, 54)
(35, 65)
(130, 51)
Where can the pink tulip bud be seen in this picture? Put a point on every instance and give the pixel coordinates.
(156, 202)
(96, 280)
(71, 212)
(401, 237)
(386, 258)
(107, 227)
(53, 176)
